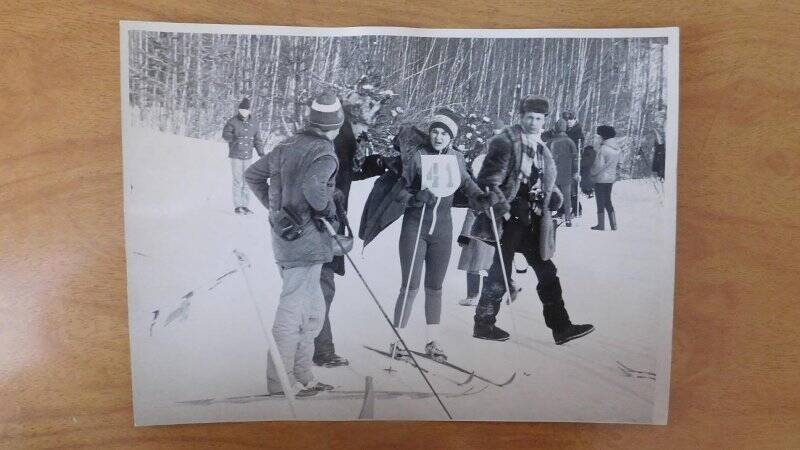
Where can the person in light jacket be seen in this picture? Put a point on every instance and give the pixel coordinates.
(604, 174)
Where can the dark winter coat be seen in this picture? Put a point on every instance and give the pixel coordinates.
(346, 145)
(391, 193)
(576, 134)
(659, 152)
(587, 160)
(298, 174)
(242, 135)
(501, 170)
(565, 155)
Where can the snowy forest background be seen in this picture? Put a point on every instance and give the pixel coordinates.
(190, 83)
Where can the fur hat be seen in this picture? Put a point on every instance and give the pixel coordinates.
(568, 115)
(534, 103)
(244, 104)
(326, 112)
(446, 119)
(606, 131)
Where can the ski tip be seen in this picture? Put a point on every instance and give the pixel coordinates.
(469, 378)
(513, 375)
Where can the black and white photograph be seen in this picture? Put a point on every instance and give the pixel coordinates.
(399, 224)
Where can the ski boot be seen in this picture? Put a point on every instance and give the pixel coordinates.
(396, 349)
(332, 360)
(435, 352)
(319, 386)
(571, 332)
(300, 391)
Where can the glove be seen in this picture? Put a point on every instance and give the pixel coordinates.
(425, 196)
(462, 241)
(501, 208)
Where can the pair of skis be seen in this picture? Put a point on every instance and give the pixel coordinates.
(470, 373)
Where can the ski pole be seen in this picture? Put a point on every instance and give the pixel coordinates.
(385, 316)
(500, 254)
(505, 278)
(410, 273)
(273, 347)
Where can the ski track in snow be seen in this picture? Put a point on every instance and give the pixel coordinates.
(180, 221)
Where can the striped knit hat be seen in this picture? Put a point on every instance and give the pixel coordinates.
(446, 119)
(326, 112)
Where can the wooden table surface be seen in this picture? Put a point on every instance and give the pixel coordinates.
(64, 352)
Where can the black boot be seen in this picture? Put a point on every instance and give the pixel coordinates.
(601, 222)
(485, 329)
(485, 317)
(612, 219)
(571, 332)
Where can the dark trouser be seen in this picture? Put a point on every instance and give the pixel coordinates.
(518, 238)
(603, 197)
(473, 284)
(433, 252)
(323, 343)
(566, 190)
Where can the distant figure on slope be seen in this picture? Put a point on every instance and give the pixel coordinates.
(242, 134)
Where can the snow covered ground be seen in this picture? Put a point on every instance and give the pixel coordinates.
(202, 358)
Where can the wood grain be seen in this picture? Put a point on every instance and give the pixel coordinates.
(64, 353)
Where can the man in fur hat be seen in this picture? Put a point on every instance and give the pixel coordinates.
(520, 170)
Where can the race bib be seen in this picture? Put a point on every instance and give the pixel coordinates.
(440, 174)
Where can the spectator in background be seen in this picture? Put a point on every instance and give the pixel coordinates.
(565, 154)
(242, 134)
(604, 173)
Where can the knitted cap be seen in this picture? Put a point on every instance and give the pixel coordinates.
(534, 103)
(561, 126)
(568, 115)
(244, 104)
(606, 131)
(447, 120)
(326, 112)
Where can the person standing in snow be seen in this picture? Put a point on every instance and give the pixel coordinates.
(659, 145)
(565, 154)
(604, 174)
(587, 160)
(296, 183)
(433, 249)
(521, 170)
(345, 145)
(242, 134)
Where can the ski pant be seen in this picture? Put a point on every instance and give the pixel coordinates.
(433, 252)
(238, 166)
(323, 344)
(603, 197)
(298, 321)
(519, 238)
(566, 189)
